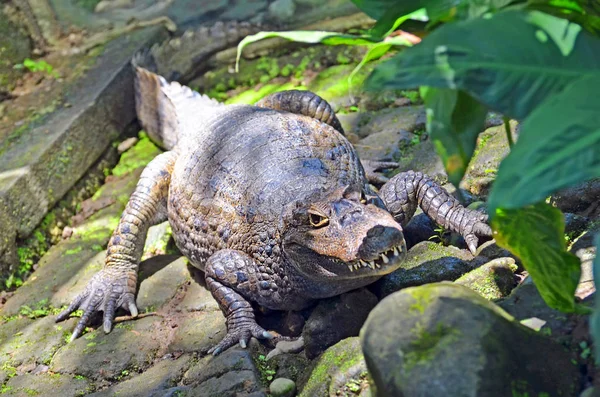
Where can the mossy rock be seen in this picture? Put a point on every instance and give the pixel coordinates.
(15, 47)
(443, 339)
(340, 369)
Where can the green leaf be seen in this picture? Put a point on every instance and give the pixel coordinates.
(536, 235)
(454, 120)
(304, 36)
(558, 146)
(480, 57)
(595, 317)
(390, 22)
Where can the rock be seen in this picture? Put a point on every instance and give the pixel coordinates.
(526, 302)
(287, 346)
(290, 366)
(96, 355)
(445, 340)
(577, 198)
(198, 298)
(126, 144)
(16, 46)
(490, 249)
(427, 262)
(384, 144)
(199, 332)
(160, 278)
(47, 385)
(423, 157)
(243, 10)
(282, 10)
(335, 319)
(493, 280)
(25, 341)
(575, 224)
(66, 268)
(340, 367)
(586, 285)
(311, 3)
(420, 228)
(231, 373)
(42, 163)
(282, 387)
(492, 147)
(153, 382)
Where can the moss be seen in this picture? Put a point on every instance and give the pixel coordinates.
(138, 156)
(422, 297)
(424, 347)
(252, 96)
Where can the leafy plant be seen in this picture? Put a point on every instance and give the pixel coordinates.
(548, 82)
(37, 66)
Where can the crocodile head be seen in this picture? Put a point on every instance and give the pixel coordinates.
(347, 233)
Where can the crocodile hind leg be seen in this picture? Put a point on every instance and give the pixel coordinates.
(309, 104)
(233, 277)
(115, 285)
(406, 190)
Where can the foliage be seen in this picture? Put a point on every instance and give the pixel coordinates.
(37, 66)
(548, 81)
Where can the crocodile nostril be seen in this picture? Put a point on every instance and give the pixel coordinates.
(376, 231)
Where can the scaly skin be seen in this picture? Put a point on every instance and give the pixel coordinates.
(270, 201)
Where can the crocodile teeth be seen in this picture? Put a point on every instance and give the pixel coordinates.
(372, 265)
(363, 263)
(350, 267)
(396, 251)
(377, 265)
(385, 259)
(356, 267)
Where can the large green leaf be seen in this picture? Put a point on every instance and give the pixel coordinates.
(536, 235)
(454, 120)
(558, 146)
(511, 61)
(595, 318)
(307, 36)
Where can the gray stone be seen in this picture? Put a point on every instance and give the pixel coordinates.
(42, 164)
(161, 277)
(198, 298)
(153, 382)
(586, 285)
(290, 366)
(492, 147)
(445, 340)
(199, 332)
(490, 249)
(340, 366)
(335, 319)
(231, 373)
(243, 10)
(130, 346)
(67, 267)
(427, 262)
(525, 302)
(363, 124)
(47, 385)
(25, 341)
(282, 387)
(577, 198)
(15, 47)
(422, 157)
(493, 280)
(282, 10)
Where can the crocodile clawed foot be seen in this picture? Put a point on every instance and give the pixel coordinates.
(373, 169)
(240, 334)
(105, 292)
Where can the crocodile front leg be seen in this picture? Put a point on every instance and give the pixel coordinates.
(115, 285)
(232, 277)
(406, 190)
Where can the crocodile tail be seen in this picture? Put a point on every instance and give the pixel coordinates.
(185, 57)
(167, 110)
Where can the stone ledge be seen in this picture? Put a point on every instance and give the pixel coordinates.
(45, 162)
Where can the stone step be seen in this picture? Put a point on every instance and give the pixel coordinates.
(43, 163)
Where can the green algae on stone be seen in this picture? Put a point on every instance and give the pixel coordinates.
(138, 156)
(337, 366)
(493, 280)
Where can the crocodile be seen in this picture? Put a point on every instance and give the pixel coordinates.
(270, 201)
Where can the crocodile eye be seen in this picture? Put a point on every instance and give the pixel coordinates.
(317, 220)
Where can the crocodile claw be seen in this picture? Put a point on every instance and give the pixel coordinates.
(105, 292)
(373, 169)
(240, 334)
